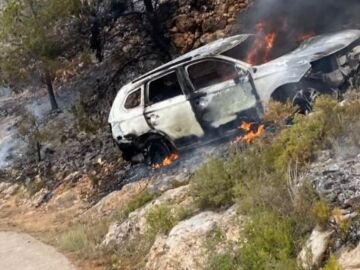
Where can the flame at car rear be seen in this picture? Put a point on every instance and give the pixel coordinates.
(167, 161)
(253, 132)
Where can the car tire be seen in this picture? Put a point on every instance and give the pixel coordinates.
(156, 150)
(304, 100)
(128, 152)
(307, 92)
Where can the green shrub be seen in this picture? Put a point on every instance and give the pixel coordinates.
(84, 239)
(137, 202)
(332, 264)
(225, 259)
(302, 214)
(269, 243)
(322, 212)
(74, 240)
(268, 160)
(258, 178)
(132, 253)
(162, 218)
(211, 186)
(223, 262)
(176, 183)
(278, 113)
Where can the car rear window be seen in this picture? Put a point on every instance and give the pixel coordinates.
(210, 72)
(164, 88)
(133, 100)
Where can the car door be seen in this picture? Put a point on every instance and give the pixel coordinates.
(222, 92)
(132, 114)
(168, 110)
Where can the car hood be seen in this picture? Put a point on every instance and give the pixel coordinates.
(316, 48)
(291, 67)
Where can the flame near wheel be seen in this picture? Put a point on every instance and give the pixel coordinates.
(160, 154)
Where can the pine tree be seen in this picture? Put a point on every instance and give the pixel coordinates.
(30, 39)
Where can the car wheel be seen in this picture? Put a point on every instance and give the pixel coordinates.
(155, 151)
(304, 100)
(128, 152)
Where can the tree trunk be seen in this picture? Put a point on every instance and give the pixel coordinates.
(38, 151)
(149, 6)
(157, 31)
(50, 89)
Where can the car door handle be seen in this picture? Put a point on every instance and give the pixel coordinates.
(152, 118)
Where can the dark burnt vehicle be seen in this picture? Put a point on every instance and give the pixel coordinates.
(206, 93)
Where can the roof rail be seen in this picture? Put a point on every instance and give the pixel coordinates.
(163, 67)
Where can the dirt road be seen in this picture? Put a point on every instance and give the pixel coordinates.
(22, 252)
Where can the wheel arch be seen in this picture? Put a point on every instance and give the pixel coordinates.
(155, 135)
(285, 92)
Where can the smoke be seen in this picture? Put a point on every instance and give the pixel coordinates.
(295, 20)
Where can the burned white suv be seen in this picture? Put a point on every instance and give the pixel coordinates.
(206, 93)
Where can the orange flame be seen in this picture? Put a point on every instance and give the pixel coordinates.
(251, 134)
(263, 45)
(305, 36)
(167, 161)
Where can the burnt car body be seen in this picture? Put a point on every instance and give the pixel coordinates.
(206, 93)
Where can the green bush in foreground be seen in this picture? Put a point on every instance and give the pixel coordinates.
(162, 218)
(74, 240)
(137, 202)
(270, 243)
(259, 179)
(84, 239)
(223, 262)
(322, 212)
(212, 185)
(332, 264)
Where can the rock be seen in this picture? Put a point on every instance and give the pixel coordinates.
(213, 24)
(184, 244)
(184, 247)
(136, 221)
(337, 179)
(81, 136)
(169, 181)
(39, 197)
(183, 41)
(207, 38)
(64, 200)
(350, 259)
(4, 186)
(184, 23)
(315, 248)
(116, 200)
(11, 190)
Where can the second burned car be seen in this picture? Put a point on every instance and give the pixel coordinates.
(206, 93)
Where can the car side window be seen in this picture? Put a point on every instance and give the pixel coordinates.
(210, 72)
(133, 100)
(164, 88)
